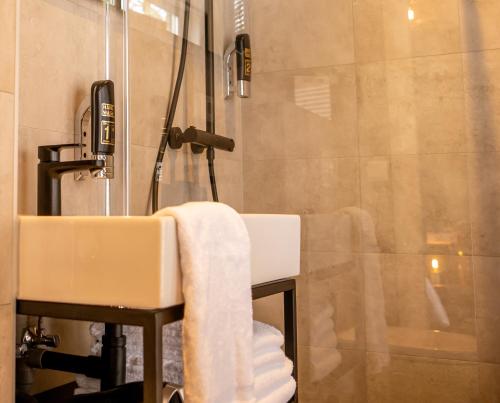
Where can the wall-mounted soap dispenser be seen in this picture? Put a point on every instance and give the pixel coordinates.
(50, 166)
(103, 126)
(241, 47)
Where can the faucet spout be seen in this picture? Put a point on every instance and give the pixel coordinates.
(58, 169)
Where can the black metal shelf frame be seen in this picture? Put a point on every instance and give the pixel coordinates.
(152, 321)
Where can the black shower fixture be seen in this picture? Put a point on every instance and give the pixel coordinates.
(199, 138)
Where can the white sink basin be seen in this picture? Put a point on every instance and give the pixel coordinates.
(133, 261)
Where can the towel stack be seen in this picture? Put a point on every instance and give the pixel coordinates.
(322, 334)
(273, 382)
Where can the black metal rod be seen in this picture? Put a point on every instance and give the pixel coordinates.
(290, 319)
(210, 91)
(128, 316)
(153, 360)
(209, 66)
(45, 359)
(97, 313)
(272, 287)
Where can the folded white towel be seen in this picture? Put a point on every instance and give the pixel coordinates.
(323, 362)
(217, 329)
(324, 335)
(281, 394)
(265, 336)
(322, 314)
(268, 380)
(267, 360)
(322, 323)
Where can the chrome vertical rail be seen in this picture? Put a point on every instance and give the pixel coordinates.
(113, 341)
(107, 183)
(126, 114)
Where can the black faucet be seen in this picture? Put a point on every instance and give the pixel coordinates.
(50, 171)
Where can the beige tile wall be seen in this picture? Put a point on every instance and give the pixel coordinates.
(379, 121)
(7, 196)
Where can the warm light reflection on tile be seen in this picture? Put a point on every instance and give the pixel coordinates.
(435, 264)
(393, 29)
(301, 114)
(313, 94)
(411, 14)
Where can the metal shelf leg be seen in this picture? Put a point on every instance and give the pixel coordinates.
(153, 360)
(290, 317)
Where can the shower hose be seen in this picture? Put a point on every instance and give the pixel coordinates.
(167, 126)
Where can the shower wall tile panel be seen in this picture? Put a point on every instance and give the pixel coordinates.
(383, 133)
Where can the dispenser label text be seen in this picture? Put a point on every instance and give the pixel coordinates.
(108, 110)
(248, 62)
(107, 132)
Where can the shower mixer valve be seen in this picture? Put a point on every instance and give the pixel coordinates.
(200, 139)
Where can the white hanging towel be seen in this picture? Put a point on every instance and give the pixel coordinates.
(216, 283)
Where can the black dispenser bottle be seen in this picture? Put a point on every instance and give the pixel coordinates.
(243, 64)
(103, 125)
